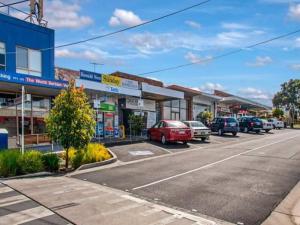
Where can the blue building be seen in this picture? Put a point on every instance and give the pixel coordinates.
(26, 59)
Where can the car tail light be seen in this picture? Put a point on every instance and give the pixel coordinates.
(251, 124)
(225, 124)
(173, 131)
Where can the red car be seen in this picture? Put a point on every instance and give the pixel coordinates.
(170, 131)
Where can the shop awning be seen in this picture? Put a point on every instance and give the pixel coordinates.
(97, 86)
(160, 92)
(234, 100)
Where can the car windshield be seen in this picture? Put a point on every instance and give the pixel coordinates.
(263, 120)
(197, 124)
(176, 124)
(255, 119)
(231, 120)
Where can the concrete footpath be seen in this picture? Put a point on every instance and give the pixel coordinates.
(82, 202)
(288, 211)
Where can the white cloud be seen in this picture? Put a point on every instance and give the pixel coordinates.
(85, 54)
(193, 24)
(61, 14)
(235, 26)
(122, 17)
(296, 66)
(255, 94)
(210, 87)
(294, 11)
(193, 58)
(261, 61)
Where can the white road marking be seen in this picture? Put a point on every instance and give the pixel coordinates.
(211, 164)
(5, 189)
(164, 149)
(12, 199)
(25, 216)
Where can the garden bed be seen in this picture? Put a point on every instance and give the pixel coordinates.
(14, 164)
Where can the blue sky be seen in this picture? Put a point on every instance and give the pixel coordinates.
(208, 30)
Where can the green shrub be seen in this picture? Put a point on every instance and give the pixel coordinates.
(31, 162)
(9, 163)
(77, 159)
(51, 162)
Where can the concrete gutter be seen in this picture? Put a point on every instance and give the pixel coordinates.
(97, 164)
(288, 211)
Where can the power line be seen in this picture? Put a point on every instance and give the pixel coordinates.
(14, 3)
(135, 26)
(223, 55)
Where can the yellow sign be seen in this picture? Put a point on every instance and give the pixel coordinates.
(111, 80)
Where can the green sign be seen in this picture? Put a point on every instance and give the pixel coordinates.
(107, 107)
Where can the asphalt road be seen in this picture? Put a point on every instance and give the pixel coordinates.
(232, 179)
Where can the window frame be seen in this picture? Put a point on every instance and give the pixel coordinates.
(29, 70)
(4, 65)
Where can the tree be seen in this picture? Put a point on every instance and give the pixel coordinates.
(289, 98)
(278, 113)
(137, 123)
(71, 120)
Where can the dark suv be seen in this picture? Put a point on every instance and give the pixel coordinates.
(225, 125)
(248, 124)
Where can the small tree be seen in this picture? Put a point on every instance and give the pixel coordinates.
(137, 123)
(278, 113)
(289, 98)
(205, 116)
(71, 120)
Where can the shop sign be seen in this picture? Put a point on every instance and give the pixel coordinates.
(87, 75)
(144, 104)
(131, 84)
(31, 80)
(107, 107)
(112, 80)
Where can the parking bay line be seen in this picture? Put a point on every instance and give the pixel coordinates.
(211, 164)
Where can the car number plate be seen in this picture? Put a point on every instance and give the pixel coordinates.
(202, 133)
(232, 124)
(182, 132)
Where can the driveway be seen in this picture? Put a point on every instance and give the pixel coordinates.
(232, 179)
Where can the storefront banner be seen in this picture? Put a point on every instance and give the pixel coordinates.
(105, 107)
(87, 75)
(131, 84)
(32, 80)
(95, 86)
(111, 80)
(145, 105)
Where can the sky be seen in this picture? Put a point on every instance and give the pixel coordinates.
(211, 29)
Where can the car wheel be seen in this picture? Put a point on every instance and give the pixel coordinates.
(220, 132)
(163, 140)
(184, 142)
(274, 127)
(234, 133)
(203, 139)
(257, 131)
(267, 131)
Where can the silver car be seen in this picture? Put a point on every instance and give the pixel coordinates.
(199, 130)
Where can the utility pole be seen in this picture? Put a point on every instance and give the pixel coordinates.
(96, 64)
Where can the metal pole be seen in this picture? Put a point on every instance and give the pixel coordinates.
(22, 147)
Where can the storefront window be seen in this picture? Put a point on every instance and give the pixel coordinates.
(175, 110)
(183, 114)
(29, 61)
(167, 113)
(2, 56)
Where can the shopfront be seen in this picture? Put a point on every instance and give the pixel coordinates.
(106, 92)
(41, 92)
(204, 102)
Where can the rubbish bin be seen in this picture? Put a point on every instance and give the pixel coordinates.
(3, 139)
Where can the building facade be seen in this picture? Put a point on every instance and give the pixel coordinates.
(26, 59)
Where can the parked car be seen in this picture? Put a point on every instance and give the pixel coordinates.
(267, 126)
(198, 129)
(170, 131)
(277, 124)
(250, 123)
(225, 125)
